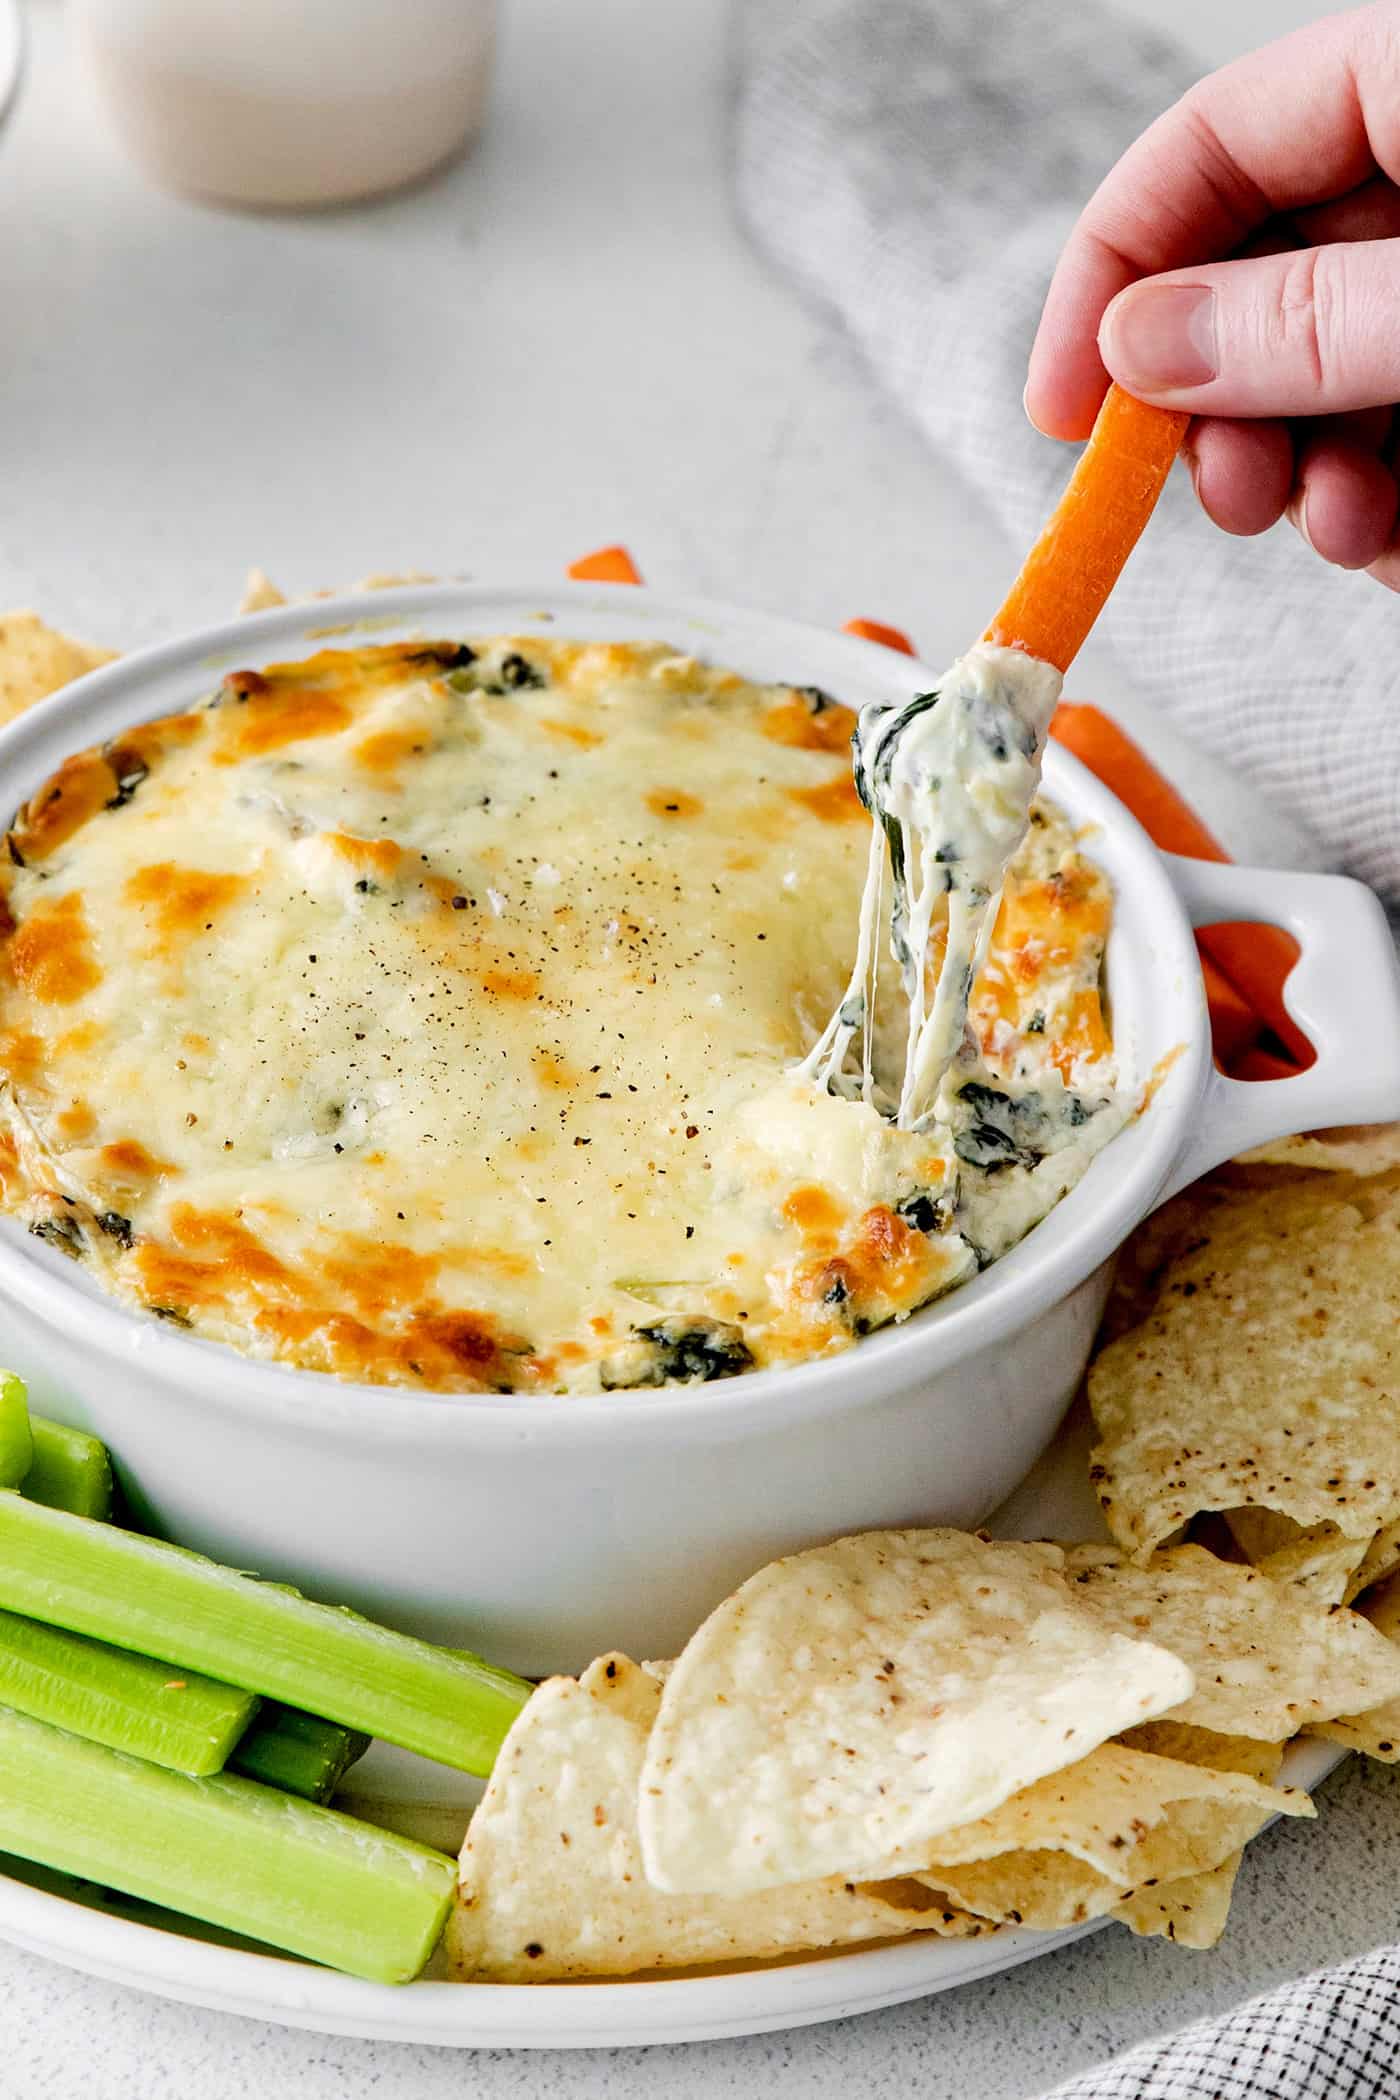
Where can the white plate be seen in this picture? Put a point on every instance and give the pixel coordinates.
(88, 1928)
(11, 51)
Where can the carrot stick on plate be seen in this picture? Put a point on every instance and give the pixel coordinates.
(1253, 960)
(605, 565)
(1094, 527)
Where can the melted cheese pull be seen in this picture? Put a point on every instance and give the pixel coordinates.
(426, 1014)
(949, 777)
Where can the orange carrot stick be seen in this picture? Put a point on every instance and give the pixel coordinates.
(1109, 751)
(1262, 1064)
(605, 565)
(1254, 959)
(1094, 527)
(876, 631)
(1234, 1025)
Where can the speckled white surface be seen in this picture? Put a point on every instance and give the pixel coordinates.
(562, 343)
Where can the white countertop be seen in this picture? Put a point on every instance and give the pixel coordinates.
(561, 343)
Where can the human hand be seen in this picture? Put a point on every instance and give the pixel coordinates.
(1242, 261)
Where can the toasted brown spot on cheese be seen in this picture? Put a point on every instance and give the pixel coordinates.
(272, 719)
(510, 984)
(51, 954)
(376, 1278)
(835, 802)
(571, 732)
(182, 901)
(812, 1209)
(239, 1251)
(386, 750)
(83, 785)
(674, 802)
(829, 728)
(553, 1071)
(76, 1122)
(22, 1055)
(379, 856)
(127, 1160)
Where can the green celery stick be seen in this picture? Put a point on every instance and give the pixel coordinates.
(16, 1438)
(71, 1470)
(171, 1716)
(298, 1752)
(162, 1600)
(226, 1850)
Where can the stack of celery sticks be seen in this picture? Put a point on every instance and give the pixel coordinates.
(174, 1729)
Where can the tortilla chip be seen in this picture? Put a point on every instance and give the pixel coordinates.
(1266, 1375)
(36, 660)
(260, 593)
(551, 1876)
(1191, 1912)
(1266, 1658)
(1118, 1822)
(1360, 1148)
(1146, 1255)
(1206, 1746)
(849, 1704)
(1321, 1560)
(1101, 1812)
(1382, 1559)
(1377, 1729)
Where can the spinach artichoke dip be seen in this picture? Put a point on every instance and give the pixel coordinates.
(434, 1014)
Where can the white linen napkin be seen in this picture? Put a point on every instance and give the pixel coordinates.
(916, 164)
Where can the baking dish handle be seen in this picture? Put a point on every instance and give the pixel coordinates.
(1344, 993)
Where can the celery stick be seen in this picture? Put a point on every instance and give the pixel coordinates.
(161, 1600)
(71, 1470)
(171, 1716)
(16, 1439)
(298, 1752)
(226, 1850)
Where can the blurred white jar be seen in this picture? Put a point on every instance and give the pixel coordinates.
(277, 103)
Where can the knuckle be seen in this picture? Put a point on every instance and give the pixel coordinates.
(1310, 314)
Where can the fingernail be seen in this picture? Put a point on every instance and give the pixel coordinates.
(1157, 338)
(1298, 517)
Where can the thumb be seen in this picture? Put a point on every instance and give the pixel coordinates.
(1306, 333)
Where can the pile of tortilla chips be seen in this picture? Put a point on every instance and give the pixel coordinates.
(930, 1732)
(924, 1731)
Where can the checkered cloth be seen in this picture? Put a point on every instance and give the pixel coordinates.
(915, 164)
(1334, 2036)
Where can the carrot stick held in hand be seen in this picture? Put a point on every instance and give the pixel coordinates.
(1069, 572)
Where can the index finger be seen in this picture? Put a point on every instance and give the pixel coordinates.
(1302, 120)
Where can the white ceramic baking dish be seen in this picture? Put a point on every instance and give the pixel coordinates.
(544, 1530)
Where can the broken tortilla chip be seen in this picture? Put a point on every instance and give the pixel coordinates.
(1191, 1911)
(1100, 1812)
(260, 593)
(1207, 1746)
(1120, 1821)
(1360, 1148)
(1377, 1729)
(1382, 1559)
(850, 1704)
(551, 1876)
(1267, 1658)
(1320, 1560)
(1268, 1373)
(36, 660)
